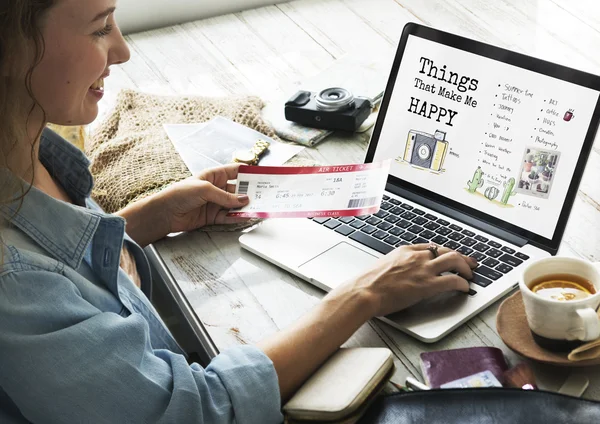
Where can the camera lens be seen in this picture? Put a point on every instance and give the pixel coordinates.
(334, 99)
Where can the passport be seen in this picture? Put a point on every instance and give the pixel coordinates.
(444, 366)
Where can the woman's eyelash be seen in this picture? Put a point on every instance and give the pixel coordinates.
(104, 31)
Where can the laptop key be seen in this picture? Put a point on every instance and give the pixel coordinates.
(452, 245)
(469, 242)
(380, 235)
(408, 236)
(428, 234)
(468, 233)
(396, 231)
(385, 226)
(504, 269)
(439, 240)
(443, 222)
(494, 244)
(368, 229)
(480, 247)
(491, 262)
(397, 211)
(363, 217)
(464, 250)
(494, 253)
(522, 256)
(402, 243)
(392, 240)
(472, 292)
(416, 229)
(374, 221)
(482, 239)
(510, 260)
(381, 214)
(320, 220)
(478, 256)
(403, 224)
(443, 231)
(386, 197)
(395, 202)
(431, 217)
(418, 212)
(386, 206)
(455, 227)
(432, 226)
(344, 230)
(392, 219)
(407, 207)
(332, 223)
(420, 240)
(487, 272)
(408, 216)
(419, 220)
(508, 250)
(480, 280)
(357, 224)
(346, 219)
(456, 236)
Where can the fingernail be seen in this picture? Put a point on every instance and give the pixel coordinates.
(243, 198)
(474, 261)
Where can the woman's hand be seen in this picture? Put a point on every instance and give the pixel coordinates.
(202, 200)
(186, 205)
(410, 274)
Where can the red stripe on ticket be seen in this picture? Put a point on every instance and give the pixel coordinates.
(288, 170)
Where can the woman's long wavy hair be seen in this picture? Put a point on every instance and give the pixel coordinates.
(20, 40)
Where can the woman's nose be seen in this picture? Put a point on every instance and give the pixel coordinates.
(120, 52)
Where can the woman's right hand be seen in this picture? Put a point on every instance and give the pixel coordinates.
(410, 274)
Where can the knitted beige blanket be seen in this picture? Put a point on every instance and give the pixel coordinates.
(131, 155)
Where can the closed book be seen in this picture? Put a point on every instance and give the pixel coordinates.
(443, 366)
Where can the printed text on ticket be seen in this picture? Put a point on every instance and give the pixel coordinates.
(297, 192)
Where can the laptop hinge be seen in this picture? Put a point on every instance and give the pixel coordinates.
(459, 216)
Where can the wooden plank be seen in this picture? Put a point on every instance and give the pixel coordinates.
(335, 27)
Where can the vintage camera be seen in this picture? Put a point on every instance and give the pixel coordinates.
(331, 109)
(425, 150)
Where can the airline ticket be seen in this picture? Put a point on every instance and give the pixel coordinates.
(297, 192)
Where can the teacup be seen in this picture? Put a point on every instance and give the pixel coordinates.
(563, 320)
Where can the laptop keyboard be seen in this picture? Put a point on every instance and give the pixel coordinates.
(400, 224)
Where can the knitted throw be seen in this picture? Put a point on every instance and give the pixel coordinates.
(131, 155)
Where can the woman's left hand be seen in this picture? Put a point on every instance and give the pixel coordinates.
(186, 205)
(202, 200)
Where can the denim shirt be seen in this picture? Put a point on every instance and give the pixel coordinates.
(79, 342)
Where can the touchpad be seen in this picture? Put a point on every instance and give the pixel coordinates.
(337, 265)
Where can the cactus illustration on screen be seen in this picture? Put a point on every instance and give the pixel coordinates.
(508, 190)
(477, 180)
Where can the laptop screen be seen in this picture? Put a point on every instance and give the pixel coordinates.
(497, 138)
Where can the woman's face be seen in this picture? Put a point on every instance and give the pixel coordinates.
(82, 41)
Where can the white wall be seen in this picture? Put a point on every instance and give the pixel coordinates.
(141, 15)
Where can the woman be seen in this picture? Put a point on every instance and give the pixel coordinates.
(80, 341)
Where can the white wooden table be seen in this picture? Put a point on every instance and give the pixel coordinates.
(270, 50)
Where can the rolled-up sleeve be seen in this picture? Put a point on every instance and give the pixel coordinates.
(65, 361)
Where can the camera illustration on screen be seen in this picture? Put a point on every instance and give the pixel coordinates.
(425, 150)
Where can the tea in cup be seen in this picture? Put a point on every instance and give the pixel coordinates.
(561, 297)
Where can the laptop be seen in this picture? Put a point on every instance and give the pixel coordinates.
(488, 148)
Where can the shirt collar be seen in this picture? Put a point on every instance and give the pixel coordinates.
(62, 229)
(67, 164)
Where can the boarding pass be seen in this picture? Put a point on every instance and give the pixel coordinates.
(297, 192)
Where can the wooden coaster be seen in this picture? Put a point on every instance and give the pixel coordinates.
(511, 324)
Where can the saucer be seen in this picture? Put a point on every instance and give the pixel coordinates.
(513, 329)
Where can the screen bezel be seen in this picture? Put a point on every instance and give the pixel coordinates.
(512, 58)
